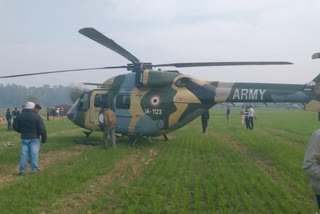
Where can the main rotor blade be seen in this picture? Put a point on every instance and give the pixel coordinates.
(91, 83)
(203, 64)
(316, 56)
(109, 43)
(62, 71)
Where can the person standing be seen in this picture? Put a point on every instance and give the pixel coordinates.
(204, 121)
(252, 114)
(311, 164)
(15, 113)
(228, 112)
(246, 117)
(61, 111)
(9, 119)
(37, 109)
(31, 127)
(48, 113)
(242, 113)
(110, 121)
(58, 112)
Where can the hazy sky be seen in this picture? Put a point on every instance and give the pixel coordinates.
(38, 36)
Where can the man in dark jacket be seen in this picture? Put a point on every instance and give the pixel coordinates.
(204, 121)
(9, 119)
(31, 126)
(15, 113)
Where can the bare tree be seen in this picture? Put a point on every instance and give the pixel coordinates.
(76, 91)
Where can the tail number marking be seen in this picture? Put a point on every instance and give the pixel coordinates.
(155, 111)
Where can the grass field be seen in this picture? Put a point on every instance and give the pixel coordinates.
(227, 170)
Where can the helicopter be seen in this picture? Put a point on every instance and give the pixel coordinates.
(149, 102)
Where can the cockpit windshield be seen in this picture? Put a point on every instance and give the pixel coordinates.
(84, 102)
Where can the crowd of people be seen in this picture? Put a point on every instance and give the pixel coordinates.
(247, 112)
(31, 130)
(248, 115)
(29, 123)
(50, 113)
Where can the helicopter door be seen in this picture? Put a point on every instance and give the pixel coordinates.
(122, 107)
(95, 107)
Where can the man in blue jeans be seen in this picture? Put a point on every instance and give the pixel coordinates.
(31, 127)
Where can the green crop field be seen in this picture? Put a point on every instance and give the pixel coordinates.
(227, 170)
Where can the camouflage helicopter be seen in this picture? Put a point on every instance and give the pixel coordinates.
(150, 102)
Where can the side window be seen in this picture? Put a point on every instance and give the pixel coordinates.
(97, 100)
(123, 101)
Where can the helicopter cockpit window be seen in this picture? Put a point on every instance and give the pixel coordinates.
(97, 100)
(182, 82)
(123, 101)
(84, 102)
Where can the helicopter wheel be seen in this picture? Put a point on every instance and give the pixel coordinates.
(87, 133)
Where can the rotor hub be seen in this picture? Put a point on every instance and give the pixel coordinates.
(134, 67)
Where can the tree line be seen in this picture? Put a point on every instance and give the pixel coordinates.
(12, 95)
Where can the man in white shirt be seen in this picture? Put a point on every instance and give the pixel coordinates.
(58, 112)
(252, 114)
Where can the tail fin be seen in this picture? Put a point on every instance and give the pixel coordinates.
(316, 80)
(314, 104)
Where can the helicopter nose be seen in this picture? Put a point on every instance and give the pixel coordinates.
(70, 115)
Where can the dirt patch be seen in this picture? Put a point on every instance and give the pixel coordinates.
(236, 145)
(269, 169)
(126, 170)
(278, 134)
(265, 165)
(137, 168)
(51, 157)
(2, 120)
(10, 174)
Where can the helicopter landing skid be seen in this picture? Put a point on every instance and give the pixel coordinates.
(85, 141)
(150, 140)
(132, 140)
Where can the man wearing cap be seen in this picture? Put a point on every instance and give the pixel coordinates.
(31, 126)
(252, 114)
(37, 109)
(15, 113)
